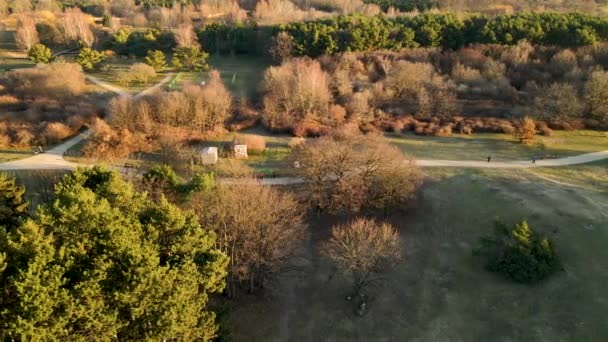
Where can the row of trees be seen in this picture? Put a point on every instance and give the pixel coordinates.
(364, 33)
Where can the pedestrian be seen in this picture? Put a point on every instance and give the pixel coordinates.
(533, 159)
(489, 158)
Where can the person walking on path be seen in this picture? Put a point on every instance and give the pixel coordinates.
(489, 158)
(533, 159)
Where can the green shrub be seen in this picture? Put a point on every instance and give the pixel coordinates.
(39, 53)
(88, 58)
(190, 59)
(163, 175)
(519, 254)
(156, 59)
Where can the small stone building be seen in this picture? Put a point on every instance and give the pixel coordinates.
(240, 151)
(209, 155)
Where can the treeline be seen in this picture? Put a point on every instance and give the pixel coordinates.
(365, 33)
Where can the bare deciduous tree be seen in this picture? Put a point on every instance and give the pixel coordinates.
(257, 226)
(348, 173)
(363, 248)
(185, 36)
(26, 35)
(296, 91)
(76, 26)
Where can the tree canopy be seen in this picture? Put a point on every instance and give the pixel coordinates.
(103, 262)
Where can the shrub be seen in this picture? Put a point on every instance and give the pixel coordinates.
(88, 58)
(255, 144)
(156, 59)
(526, 131)
(40, 54)
(295, 142)
(138, 72)
(519, 254)
(55, 132)
(190, 58)
(58, 81)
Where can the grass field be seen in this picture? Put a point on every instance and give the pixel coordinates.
(500, 146)
(441, 292)
(14, 154)
(241, 74)
(113, 67)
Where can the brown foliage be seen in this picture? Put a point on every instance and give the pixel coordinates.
(526, 131)
(55, 132)
(59, 81)
(106, 143)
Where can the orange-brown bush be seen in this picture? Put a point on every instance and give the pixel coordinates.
(55, 132)
(59, 81)
(106, 143)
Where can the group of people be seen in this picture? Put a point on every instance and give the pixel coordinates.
(533, 158)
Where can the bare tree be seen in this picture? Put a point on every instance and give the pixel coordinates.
(76, 26)
(348, 173)
(558, 103)
(257, 226)
(296, 91)
(185, 36)
(596, 95)
(365, 249)
(26, 35)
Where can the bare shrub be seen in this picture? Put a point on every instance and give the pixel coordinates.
(57, 80)
(55, 132)
(138, 72)
(26, 35)
(407, 77)
(558, 102)
(282, 46)
(106, 143)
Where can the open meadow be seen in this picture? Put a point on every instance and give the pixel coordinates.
(441, 292)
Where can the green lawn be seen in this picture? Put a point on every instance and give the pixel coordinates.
(7, 64)
(241, 74)
(112, 67)
(441, 292)
(8, 154)
(499, 146)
